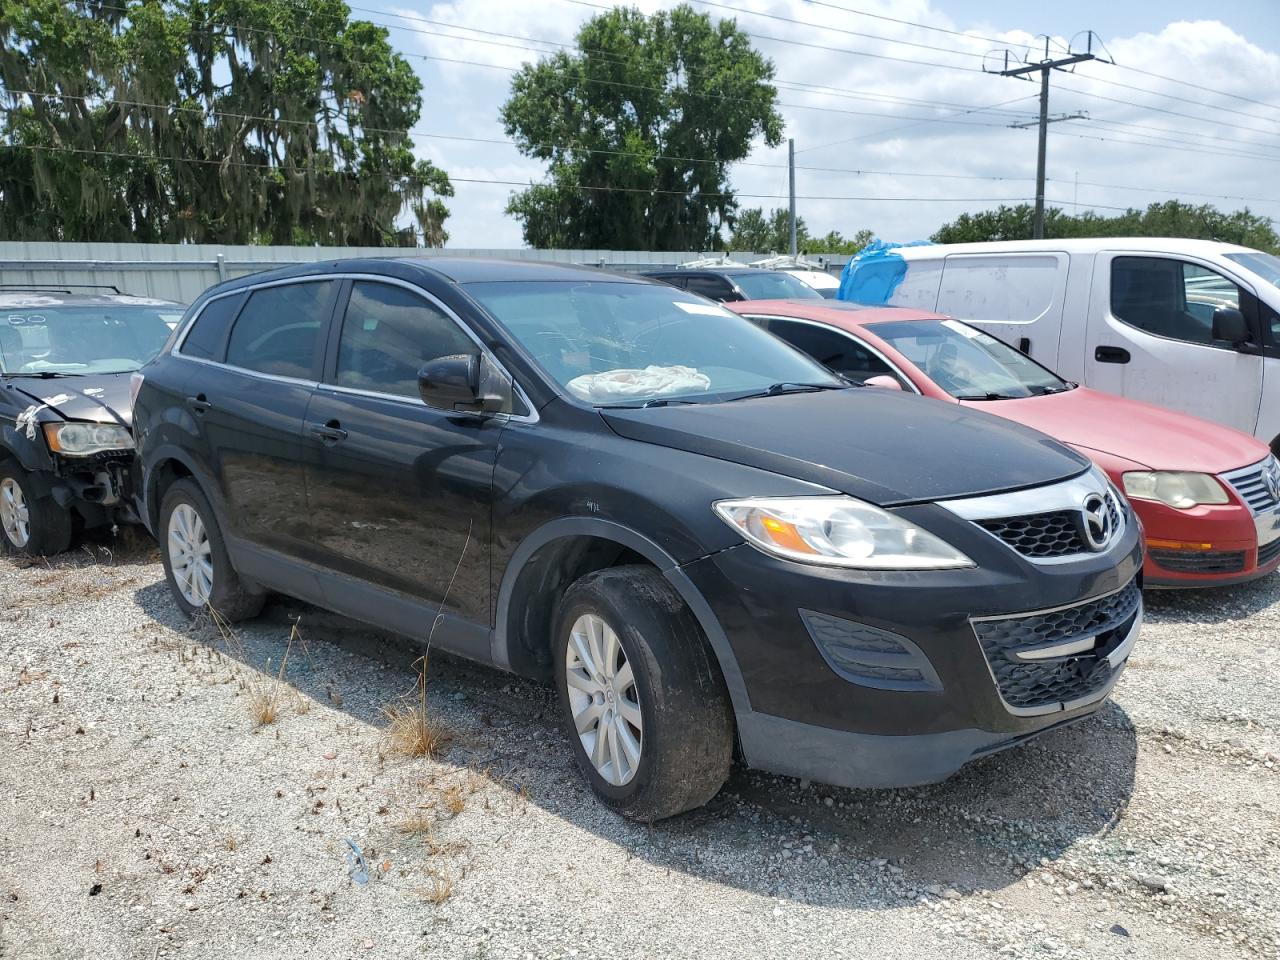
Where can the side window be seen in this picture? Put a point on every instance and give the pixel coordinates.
(1170, 298)
(388, 334)
(831, 348)
(279, 329)
(208, 335)
(715, 288)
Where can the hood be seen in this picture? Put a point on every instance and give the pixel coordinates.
(1149, 436)
(99, 398)
(878, 445)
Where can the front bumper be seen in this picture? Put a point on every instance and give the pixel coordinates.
(806, 719)
(1209, 545)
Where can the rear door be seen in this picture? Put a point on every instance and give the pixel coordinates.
(250, 395)
(400, 492)
(1150, 337)
(1017, 297)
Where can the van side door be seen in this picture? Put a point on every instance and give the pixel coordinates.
(1017, 297)
(1150, 337)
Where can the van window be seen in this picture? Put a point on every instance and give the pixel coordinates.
(279, 328)
(1170, 298)
(713, 288)
(388, 334)
(1007, 288)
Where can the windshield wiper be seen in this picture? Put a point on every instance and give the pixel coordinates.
(778, 389)
(652, 402)
(988, 396)
(45, 374)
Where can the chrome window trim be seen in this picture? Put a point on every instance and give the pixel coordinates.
(531, 417)
(910, 384)
(1064, 495)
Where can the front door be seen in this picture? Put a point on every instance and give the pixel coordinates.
(400, 493)
(1150, 338)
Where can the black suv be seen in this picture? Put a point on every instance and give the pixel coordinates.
(65, 446)
(731, 284)
(703, 536)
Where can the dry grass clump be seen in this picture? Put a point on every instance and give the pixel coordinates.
(438, 888)
(410, 731)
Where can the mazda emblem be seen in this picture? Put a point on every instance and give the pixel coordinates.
(1097, 521)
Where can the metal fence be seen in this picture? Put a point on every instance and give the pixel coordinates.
(183, 271)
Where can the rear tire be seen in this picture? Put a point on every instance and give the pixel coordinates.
(645, 706)
(196, 564)
(30, 525)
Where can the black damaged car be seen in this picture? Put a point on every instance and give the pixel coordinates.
(708, 542)
(65, 445)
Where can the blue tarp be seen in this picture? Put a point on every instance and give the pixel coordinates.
(873, 275)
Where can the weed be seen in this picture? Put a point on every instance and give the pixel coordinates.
(438, 889)
(267, 697)
(410, 731)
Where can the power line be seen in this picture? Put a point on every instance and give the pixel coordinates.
(905, 126)
(350, 175)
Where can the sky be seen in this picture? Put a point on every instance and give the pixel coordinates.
(899, 146)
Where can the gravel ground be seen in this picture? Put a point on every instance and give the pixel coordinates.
(145, 813)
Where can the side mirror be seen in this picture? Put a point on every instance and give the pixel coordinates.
(465, 382)
(1229, 325)
(883, 381)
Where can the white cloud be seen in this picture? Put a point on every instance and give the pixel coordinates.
(463, 99)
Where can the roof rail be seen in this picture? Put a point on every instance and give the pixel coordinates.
(799, 261)
(67, 288)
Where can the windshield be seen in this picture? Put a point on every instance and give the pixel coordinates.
(58, 339)
(627, 343)
(967, 363)
(1265, 265)
(769, 285)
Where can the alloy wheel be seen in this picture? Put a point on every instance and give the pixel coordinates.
(190, 555)
(15, 515)
(604, 700)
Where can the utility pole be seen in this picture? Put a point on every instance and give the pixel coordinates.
(791, 179)
(1043, 67)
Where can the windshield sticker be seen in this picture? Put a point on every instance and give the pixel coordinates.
(708, 309)
(962, 328)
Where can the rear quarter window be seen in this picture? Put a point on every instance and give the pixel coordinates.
(207, 338)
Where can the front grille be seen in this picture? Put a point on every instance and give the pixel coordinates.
(1040, 535)
(1043, 685)
(1267, 554)
(1251, 484)
(1209, 561)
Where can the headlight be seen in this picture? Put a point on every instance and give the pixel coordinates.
(838, 532)
(1180, 490)
(85, 439)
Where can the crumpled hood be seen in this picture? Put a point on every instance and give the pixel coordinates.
(882, 446)
(1146, 435)
(98, 398)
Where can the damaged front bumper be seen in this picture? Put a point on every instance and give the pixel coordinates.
(100, 488)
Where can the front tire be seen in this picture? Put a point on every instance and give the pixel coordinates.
(196, 564)
(30, 524)
(645, 706)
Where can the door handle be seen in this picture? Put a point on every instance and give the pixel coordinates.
(327, 433)
(198, 403)
(1111, 355)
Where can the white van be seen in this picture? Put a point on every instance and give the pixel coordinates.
(1193, 325)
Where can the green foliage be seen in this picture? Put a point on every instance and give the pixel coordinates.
(646, 91)
(1172, 218)
(257, 121)
(754, 231)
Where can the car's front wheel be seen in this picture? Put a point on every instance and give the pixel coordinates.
(196, 564)
(30, 524)
(645, 706)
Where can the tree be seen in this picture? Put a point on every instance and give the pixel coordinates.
(209, 121)
(1172, 218)
(754, 231)
(638, 127)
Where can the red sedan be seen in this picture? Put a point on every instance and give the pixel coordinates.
(1208, 496)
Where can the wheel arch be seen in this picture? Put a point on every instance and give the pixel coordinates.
(561, 551)
(168, 465)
